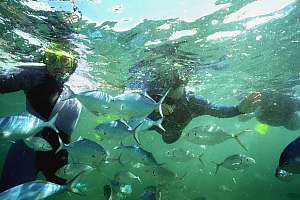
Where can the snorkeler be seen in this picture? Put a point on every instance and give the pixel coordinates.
(277, 109)
(43, 87)
(180, 106)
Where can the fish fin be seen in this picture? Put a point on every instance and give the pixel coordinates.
(200, 158)
(147, 95)
(71, 185)
(51, 123)
(79, 138)
(61, 145)
(121, 145)
(136, 135)
(70, 93)
(217, 166)
(122, 107)
(124, 121)
(161, 101)
(158, 123)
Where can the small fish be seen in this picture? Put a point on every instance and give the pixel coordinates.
(283, 175)
(138, 154)
(72, 169)
(164, 173)
(36, 190)
(211, 135)
(124, 176)
(23, 126)
(118, 129)
(180, 155)
(151, 193)
(135, 104)
(235, 162)
(95, 101)
(37, 144)
(85, 151)
(290, 157)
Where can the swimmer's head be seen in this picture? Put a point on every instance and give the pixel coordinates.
(60, 64)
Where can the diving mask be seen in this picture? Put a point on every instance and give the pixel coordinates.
(60, 64)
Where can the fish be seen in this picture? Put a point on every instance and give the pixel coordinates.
(180, 155)
(124, 176)
(85, 151)
(164, 173)
(23, 126)
(38, 189)
(97, 102)
(38, 144)
(72, 169)
(290, 157)
(211, 135)
(118, 129)
(138, 154)
(135, 104)
(235, 162)
(283, 175)
(151, 193)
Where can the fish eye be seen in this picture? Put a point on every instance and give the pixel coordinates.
(93, 156)
(195, 133)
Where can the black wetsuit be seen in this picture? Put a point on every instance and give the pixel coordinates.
(187, 108)
(43, 95)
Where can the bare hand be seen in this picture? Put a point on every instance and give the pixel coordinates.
(250, 103)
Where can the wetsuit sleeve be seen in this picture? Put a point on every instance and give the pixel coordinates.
(199, 105)
(21, 78)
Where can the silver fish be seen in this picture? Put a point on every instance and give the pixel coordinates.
(180, 155)
(211, 135)
(85, 151)
(23, 126)
(38, 144)
(95, 101)
(36, 190)
(235, 162)
(124, 176)
(118, 129)
(72, 169)
(135, 104)
(138, 154)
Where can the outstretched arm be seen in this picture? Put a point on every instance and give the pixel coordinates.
(201, 106)
(21, 77)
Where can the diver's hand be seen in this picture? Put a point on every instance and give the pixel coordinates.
(250, 103)
(166, 109)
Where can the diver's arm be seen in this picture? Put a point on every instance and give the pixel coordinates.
(21, 77)
(199, 105)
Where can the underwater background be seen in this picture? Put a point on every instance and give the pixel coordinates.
(224, 49)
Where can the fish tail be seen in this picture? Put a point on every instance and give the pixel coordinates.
(200, 158)
(70, 93)
(121, 145)
(51, 123)
(158, 123)
(236, 137)
(161, 101)
(136, 135)
(217, 166)
(71, 186)
(62, 145)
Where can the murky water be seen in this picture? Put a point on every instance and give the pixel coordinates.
(224, 52)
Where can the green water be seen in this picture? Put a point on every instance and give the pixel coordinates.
(253, 53)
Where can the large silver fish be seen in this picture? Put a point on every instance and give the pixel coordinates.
(236, 162)
(95, 101)
(72, 169)
(135, 104)
(38, 144)
(23, 126)
(85, 151)
(118, 129)
(36, 190)
(138, 154)
(211, 135)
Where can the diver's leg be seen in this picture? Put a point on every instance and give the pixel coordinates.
(19, 166)
(293, 123)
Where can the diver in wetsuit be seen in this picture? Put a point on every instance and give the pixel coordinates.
(43, 87)
(180, 107)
